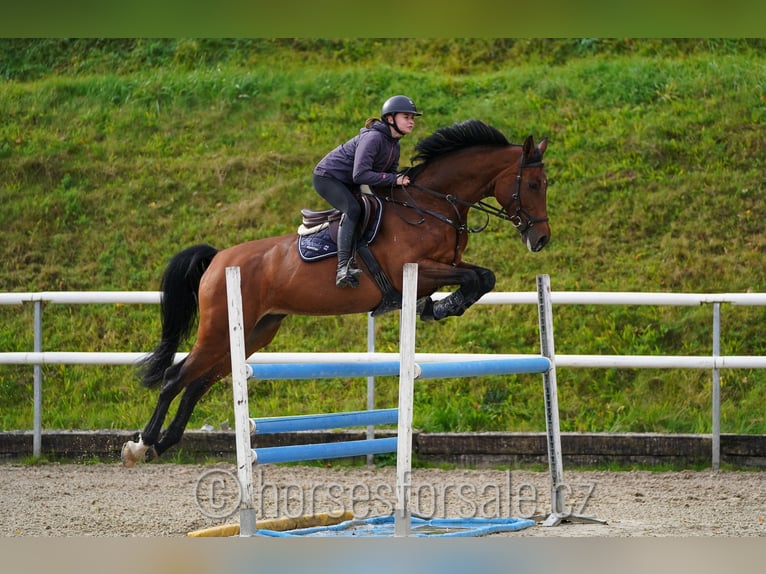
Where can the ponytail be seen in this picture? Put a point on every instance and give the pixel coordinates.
(370, 122)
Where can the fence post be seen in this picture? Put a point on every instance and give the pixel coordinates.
(37, 422)
(370, 381)
(716, 455)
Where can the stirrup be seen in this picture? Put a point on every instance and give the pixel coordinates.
(347, 275)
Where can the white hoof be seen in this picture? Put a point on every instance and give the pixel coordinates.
(133, 452)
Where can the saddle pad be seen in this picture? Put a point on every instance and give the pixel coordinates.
(317, 246)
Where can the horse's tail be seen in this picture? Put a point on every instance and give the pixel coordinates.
(180, 285)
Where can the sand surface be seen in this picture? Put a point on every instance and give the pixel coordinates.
(170, 500)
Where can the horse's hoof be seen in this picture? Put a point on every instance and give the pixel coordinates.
(134, 452)
(128, 454)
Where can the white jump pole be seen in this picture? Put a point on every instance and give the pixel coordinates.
(402, 516)
(239, 376)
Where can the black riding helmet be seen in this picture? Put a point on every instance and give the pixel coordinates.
(399, 104)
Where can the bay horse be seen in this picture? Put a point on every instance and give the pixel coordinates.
(456, 168)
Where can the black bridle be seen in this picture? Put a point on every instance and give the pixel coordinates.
(521, 224)
(521, 219)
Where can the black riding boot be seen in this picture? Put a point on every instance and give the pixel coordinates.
(347, 273)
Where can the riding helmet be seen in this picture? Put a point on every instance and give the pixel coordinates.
(399, 104)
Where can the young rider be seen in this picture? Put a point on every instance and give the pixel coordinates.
(372, 158)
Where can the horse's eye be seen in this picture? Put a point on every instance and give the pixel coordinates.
(533, 185)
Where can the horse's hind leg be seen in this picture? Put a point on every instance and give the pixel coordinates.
(133, 452)
(258, 338)
(201, 368)
(172, 435)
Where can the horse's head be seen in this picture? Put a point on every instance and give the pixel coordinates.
(521, 190)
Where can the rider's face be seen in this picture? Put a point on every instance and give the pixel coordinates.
(405, 122)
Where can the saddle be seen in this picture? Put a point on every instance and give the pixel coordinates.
(318, 232)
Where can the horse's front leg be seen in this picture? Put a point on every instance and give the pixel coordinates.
(474, 283)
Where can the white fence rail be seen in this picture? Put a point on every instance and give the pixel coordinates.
(713, 362)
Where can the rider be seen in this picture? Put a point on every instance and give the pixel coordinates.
(372, 158)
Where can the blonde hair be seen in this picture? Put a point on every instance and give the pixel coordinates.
(370, 121)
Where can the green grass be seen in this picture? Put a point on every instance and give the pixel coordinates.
(115, 154)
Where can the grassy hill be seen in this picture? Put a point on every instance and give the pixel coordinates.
(115, 154)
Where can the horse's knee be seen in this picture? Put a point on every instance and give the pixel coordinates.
(486, 280)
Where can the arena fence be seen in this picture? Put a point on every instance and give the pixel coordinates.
(713, 362)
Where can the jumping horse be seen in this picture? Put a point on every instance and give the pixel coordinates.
(455, 169)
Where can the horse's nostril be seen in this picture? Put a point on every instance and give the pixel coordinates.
(542, 242)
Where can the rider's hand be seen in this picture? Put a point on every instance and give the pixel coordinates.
(402, 180)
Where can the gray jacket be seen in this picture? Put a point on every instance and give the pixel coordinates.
(371, 158)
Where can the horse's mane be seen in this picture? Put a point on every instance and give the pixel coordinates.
(456, 137)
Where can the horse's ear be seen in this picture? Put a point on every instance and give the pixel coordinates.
(529, 146)
(543, 145)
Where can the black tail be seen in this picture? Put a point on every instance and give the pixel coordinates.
(180, 285)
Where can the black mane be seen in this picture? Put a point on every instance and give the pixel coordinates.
(456, 137)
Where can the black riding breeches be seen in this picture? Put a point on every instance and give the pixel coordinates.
(337, 194)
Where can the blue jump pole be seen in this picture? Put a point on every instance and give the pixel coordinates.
(319, 451)
(447, 369)
(515, 365)
(279, 371)
(274, 425)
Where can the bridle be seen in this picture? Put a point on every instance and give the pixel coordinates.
(521, 219)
